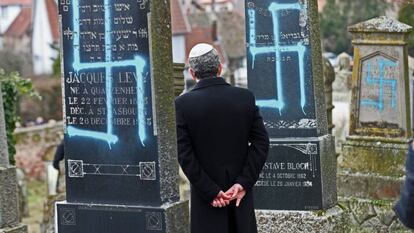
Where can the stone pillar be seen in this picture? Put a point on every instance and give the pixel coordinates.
(329, 78)
(285, 73)
(178, 75)
(120, 138)
(372, 163)
(341, 99)
(9, 203)
(4, 152)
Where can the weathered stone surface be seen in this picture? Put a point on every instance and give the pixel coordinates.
(178, 218)
(329, 78)
(328, 172)
(9, 207)
(16, 229)
(48, 222)
(23, 195)
(374, 155)
(381, 24)
(370, 186)
(367, 215)
(4, 154)
(380, 83)
(329, 221)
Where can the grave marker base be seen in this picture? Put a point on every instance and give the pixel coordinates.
(299, 175)
(99, 218)
(333, 220)
(383, 156)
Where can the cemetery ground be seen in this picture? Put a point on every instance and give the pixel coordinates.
(37, 193)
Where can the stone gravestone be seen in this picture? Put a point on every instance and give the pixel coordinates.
(380, 113)
(120, 139)
(285, 74)
(371, 167)
(9, 202)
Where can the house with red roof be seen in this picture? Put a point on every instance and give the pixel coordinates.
(29, 28)
(180, 28)
(45, 35)
(15, 24)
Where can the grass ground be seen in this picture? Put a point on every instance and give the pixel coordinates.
(37, 193)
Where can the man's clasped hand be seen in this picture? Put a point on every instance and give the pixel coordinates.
(223, 199)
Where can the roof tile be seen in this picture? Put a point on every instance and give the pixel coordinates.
(179, 20)
(21, 25)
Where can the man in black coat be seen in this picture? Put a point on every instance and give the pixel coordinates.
(222, 146)
(405, 207)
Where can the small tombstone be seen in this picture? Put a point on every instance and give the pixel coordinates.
(380, 124)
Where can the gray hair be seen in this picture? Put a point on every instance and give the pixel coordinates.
(205, 66)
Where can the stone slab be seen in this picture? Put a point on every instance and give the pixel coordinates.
(367, 215)
(368, 186)
(9, 207)
(380, 97)
(303, 166)
(17, 229)
(329, 221)
(99, 218)
(285, 67)
(119, 112)
(375, 155)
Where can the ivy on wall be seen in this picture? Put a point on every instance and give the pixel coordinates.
(13, 87)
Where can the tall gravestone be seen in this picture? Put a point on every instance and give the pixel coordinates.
(286, 75)
(9, 203)
(120, 139)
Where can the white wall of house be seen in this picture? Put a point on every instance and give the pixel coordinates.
(240, 75)
(8, 14)
(41, 40)
(178, 46)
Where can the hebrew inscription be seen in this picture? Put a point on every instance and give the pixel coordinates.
(110, 136)
(278, 52)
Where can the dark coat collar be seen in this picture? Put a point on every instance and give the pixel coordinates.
(210, 82)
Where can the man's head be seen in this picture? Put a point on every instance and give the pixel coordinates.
(204, 62)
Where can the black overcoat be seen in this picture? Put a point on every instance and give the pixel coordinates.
(405, 207)
(221, 141)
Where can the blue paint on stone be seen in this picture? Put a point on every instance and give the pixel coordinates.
(381, 82)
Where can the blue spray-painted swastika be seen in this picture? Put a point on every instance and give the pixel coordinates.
(381, 82)
(137, 62)
(279, 101)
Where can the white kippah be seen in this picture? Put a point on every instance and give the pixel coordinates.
(200, 49)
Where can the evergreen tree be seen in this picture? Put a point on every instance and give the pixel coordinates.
(406, 15)
(337, 15)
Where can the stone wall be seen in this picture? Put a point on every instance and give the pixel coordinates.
(35, 145)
